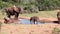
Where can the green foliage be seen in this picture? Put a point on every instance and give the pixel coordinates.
(48, 4)
(32, 4)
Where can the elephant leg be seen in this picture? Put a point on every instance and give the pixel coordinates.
(8, 14)
(16, 15)
(31, 22)
(58, 21)
(34, 22)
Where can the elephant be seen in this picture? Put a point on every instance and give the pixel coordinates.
(34, 19)
(58, 17)
(10, 11)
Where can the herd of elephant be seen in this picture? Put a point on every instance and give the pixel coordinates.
(15, 10)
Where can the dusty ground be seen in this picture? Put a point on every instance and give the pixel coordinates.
(28, 29)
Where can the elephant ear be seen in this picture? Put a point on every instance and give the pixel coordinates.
(19, 8)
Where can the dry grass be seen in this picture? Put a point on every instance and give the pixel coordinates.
(47, 14)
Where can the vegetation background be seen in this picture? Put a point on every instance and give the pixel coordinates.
(32, 5)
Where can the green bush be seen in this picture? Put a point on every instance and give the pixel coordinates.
(41, 5)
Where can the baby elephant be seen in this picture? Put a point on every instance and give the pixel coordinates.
(34, 19)
(58, 16)
(7, 20)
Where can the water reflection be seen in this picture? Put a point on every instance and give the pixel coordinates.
(25, 21)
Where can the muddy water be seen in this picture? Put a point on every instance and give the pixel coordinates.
(25, 21)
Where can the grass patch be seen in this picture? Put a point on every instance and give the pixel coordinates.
(39, 14)
(56, 31)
